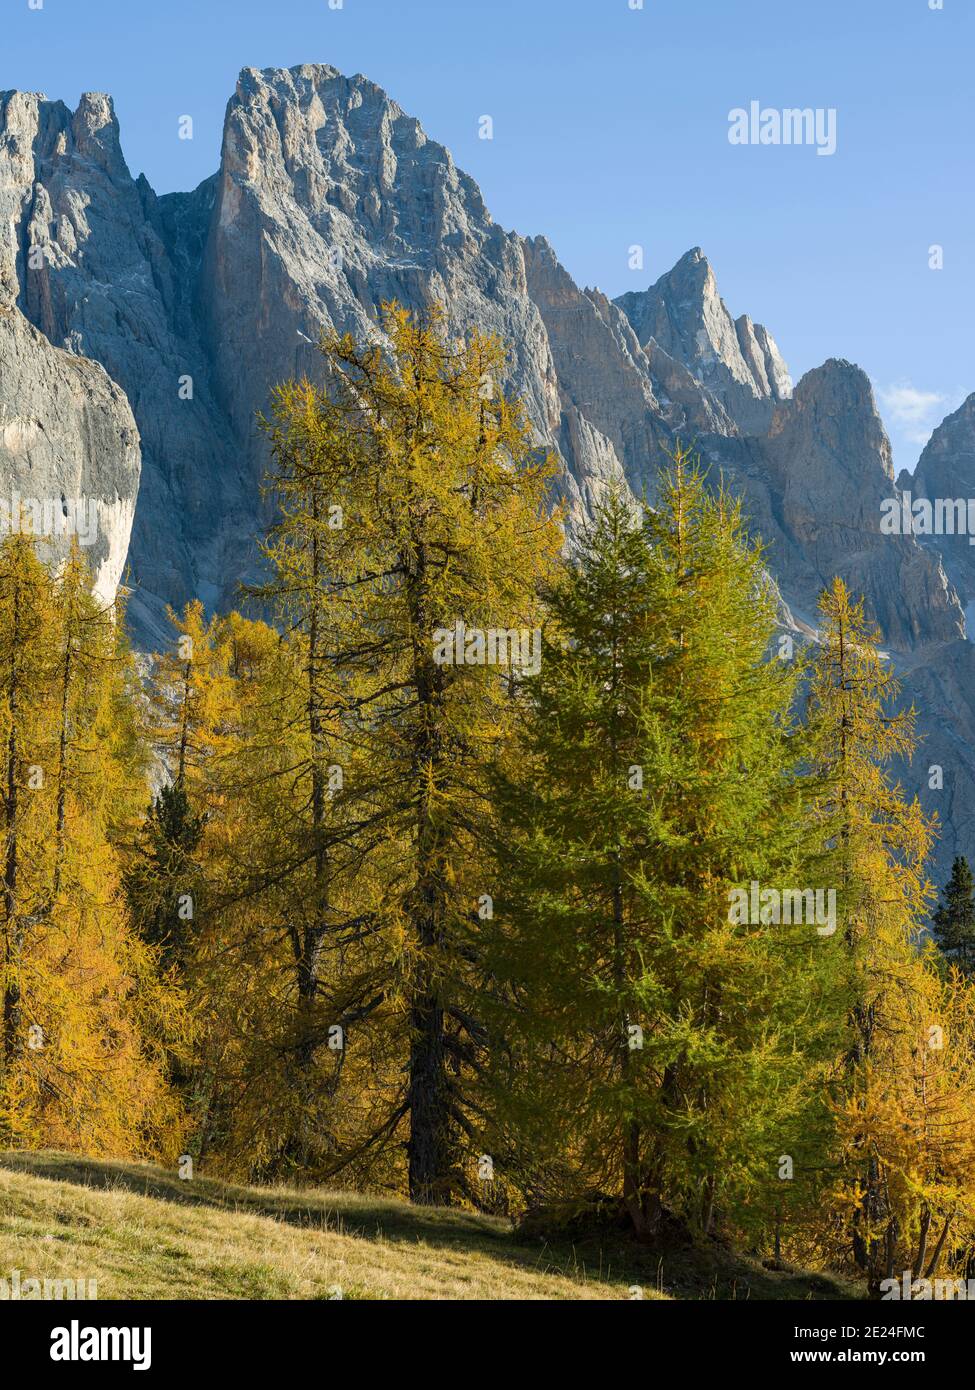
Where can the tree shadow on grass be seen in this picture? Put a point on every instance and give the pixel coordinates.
(695, 1273)
(363, 1215)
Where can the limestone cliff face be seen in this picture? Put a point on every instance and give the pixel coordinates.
(69, 452)
(608, 407)
(69, 446)
(330, 200)
(88, 264)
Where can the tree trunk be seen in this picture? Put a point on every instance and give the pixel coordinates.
(429, 1149)
(59, 846)
(313, 937)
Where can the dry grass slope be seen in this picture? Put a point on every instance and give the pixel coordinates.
(144, 1234)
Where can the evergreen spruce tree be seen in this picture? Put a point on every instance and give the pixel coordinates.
(165, 875)
(649, 1047)
(954, 917)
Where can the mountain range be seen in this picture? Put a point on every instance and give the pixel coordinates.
(140, 335)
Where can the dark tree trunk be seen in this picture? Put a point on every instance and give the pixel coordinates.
(429, 1148)
(14, 930)
(430, 1092)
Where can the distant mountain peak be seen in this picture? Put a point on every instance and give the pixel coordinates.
(738, 361)
(695, 256)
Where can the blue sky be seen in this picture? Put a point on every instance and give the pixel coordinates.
(611, 129)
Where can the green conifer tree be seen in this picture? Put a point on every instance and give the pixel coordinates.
(954, 917)
(648, 1049)
(414, 518)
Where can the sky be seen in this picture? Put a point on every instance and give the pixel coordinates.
(611, 131)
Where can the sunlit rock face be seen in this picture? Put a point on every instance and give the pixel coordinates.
(69, 452)
(331, 201)
(87, 261)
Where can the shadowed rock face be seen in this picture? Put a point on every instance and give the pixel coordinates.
(330, 200)
(946, 472)
(826, 463)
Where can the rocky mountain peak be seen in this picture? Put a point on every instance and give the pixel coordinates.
(340, 145)
(738, 362)
(96, 132)
(946, 467)
(834, 405)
